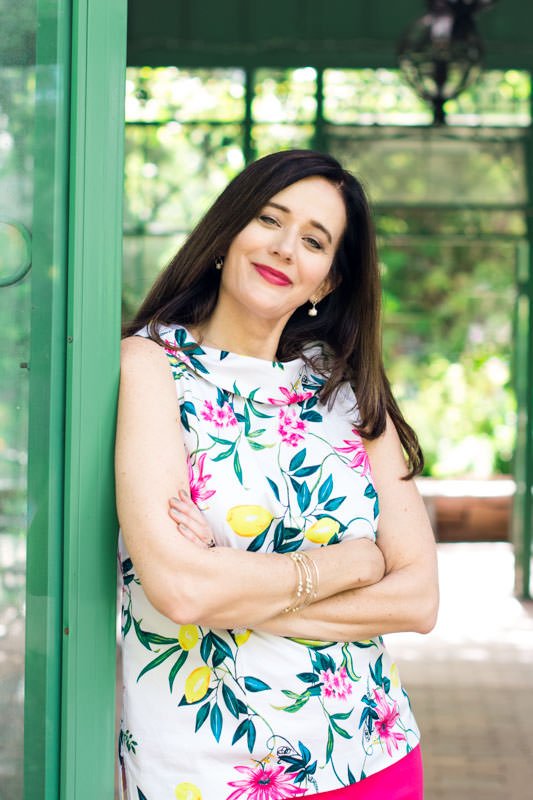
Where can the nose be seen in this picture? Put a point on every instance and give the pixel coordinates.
(283, 245)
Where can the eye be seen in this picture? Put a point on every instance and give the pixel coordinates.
(267, 219)
(314, 243)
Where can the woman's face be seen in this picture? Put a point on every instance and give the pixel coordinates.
(284, 255)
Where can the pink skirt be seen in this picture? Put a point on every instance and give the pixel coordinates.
(403, 780)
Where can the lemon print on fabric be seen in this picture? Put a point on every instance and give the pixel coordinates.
(242, 637)
(249, 520)
(187, 791)
(188, 636)
(394, 675)
(322, 530)
(197, 684)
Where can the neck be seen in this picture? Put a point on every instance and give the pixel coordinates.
(245, 336)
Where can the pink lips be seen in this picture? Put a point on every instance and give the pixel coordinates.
(272, 275)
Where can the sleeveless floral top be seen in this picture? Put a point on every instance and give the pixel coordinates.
(240, 714)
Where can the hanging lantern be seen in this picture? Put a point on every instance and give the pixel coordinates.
(441, 53)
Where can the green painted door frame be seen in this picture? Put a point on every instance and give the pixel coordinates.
(71, 587)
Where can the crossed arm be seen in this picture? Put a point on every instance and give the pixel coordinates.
(224, 587)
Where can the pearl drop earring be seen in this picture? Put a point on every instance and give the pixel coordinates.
(312, 312)
(219, 262)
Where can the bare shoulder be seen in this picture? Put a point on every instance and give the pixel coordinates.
(138, 351)
(144, 361)
(386, 452)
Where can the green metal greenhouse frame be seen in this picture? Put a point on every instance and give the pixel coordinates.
(82, 47)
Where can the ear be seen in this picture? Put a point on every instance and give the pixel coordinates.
(328, 285)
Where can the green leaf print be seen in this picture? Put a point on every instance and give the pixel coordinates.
(304, 472)
(226, 453)
(201, 716)
(337, 728)
(247, 421)
(257, 543)
(241, 730)
(185, 702)
(290, 533)
(254, 684)
(347, 662)
(334, 503)
(205, 647)
(142, 796)
(325, 490)
(278, 536)
(159, 660)
(237, 466)
(220, 644)
(258, 445)
(274, 488)
(329, 747)
(230, 700)
(303, 497)
(176, 668)
(308, 677)
(255, 434)
(311, 416)
(297, 460)
(351, 778)
(377, 673)
(215, 720)
(250, 736)
(127, 624)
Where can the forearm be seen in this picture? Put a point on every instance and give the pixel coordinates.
(235, 588)
(404, 600)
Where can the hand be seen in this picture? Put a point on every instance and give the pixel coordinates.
(190, 521)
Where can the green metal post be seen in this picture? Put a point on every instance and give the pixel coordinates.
(523, 370)
(93, 336)
(319, 138)
(249, 88)
(47, 405)
(523, 376)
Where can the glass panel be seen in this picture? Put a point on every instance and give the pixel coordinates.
(269, 138)
(184, 94)
(371, 97)
(173, 171)
(456, 167)
(285, 95)
(447, 340)
(144, 257)
(17, 77)
(382, 97)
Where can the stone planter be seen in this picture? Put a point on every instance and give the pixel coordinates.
(464, 510)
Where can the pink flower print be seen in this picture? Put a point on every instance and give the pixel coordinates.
(264, 783)
(289, 397)
(197, 482)
(177, 356)
(290, 427)
(360, 457)
(221, 416)
(387, 718)
(336, 685)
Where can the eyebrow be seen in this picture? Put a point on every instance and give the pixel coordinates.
(313, 222)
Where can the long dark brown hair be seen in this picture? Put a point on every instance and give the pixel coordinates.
(349, 319)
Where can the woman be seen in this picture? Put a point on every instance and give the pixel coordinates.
(253, 661)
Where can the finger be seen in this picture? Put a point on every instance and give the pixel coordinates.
(188, 534)
(197, 526)
(191, 512)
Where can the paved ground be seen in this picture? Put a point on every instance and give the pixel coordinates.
(471, 680)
